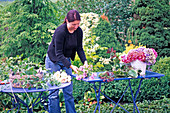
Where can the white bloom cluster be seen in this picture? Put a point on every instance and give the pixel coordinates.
(105, 60)
(62, 76)
(88, 21)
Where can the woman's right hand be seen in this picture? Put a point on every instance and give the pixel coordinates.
(74, 68)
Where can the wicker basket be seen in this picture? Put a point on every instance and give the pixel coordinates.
(22, 79)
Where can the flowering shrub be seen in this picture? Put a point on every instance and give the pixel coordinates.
(88, 21)
(86, 72)
(61, 76)
(147, 55)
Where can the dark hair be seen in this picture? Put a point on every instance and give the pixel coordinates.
(72, 15)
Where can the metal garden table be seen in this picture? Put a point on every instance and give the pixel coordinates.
(16, 100)
(148, 75)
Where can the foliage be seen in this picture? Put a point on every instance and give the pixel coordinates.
(25, 26)
(5, 104)
(35, 29)
(4, 71)
(79, 88)
(83, 6)
(119, 13)
(162, 66)
(157, 106)
(151, 25)
(106, 39)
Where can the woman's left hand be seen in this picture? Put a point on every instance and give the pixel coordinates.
(85, 64)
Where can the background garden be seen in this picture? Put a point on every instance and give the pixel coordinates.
(27, 26)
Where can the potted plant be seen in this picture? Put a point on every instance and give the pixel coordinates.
(139, 58)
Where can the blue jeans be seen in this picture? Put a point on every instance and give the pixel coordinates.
(54, 106)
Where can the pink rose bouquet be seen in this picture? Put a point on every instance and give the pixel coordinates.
(147, 55)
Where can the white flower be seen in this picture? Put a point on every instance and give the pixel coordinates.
(63, 80)
(106, 61)
(96, 46)
(97, 38)
(56, 75)
(68, 78)
(61, 76)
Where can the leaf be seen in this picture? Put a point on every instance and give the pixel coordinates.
(133, 73)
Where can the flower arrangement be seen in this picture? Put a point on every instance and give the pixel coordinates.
(61, 76)
(86, 72)
(147, 55)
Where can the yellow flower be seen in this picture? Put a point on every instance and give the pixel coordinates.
(131, 46)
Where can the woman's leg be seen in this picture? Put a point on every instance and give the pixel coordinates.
(53, 105)
(68, 96)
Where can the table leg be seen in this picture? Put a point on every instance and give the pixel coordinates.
(97, 96)
(134, 98)
(42, 99)
(119, 100)
(113, 101)
(18, 101)
(14, 105)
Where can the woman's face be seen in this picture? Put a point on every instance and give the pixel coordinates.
(72, 26)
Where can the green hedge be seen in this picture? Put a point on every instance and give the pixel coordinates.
(151, 25)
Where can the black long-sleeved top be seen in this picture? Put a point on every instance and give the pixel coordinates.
(65, 44)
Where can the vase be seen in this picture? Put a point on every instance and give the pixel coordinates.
(139, 65)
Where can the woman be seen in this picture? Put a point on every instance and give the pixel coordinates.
(66, 41)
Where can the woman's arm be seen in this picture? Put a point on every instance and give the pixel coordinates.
(80, 50)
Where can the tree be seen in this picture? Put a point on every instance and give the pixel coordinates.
(151, 24)
(25, 26)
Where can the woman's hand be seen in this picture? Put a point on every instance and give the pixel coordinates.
(74, 68)
(86, 64)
